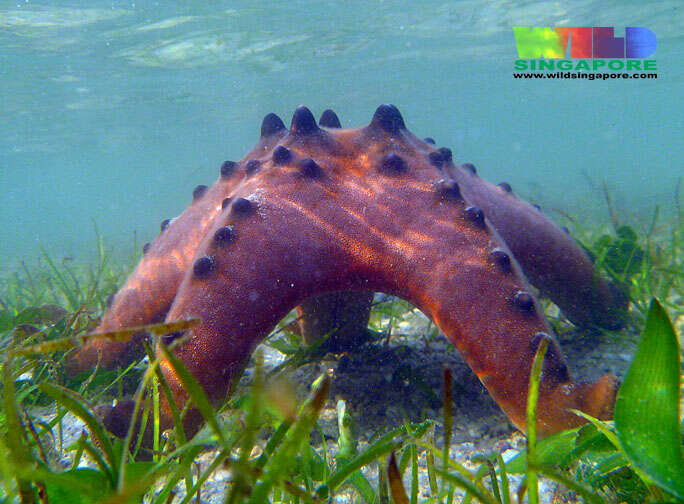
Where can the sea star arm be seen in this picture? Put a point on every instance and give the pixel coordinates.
(340, 316)
(550, 258)
(149, 291)
(318, 219)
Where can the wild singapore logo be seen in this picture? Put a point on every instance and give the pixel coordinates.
(591, 53)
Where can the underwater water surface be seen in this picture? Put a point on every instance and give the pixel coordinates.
(113, 111)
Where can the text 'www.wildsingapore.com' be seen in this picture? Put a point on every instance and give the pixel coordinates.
(585, 76)
(595, 53)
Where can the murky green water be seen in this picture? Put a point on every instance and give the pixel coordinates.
(113, 111)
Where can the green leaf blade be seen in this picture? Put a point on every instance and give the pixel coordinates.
(647, 405)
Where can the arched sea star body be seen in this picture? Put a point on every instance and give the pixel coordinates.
(317, 210)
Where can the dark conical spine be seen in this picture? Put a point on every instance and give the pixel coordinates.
(303, 122)
(329, 119)
(388, 118)
(271, 125)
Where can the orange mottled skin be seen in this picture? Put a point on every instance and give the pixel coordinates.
(327, 209)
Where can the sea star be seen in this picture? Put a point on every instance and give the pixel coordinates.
(317, 210)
